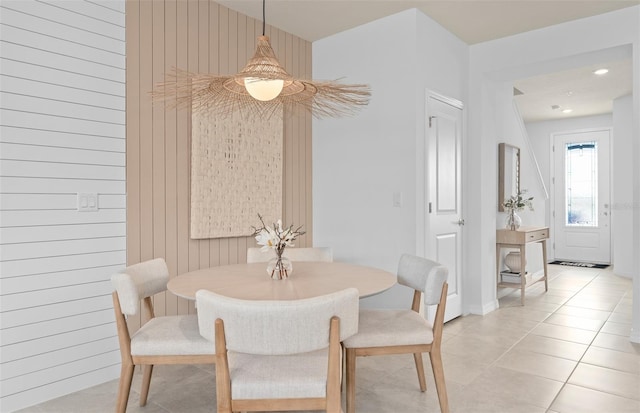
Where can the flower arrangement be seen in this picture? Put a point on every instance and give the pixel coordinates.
(277, 238)
(516, 203)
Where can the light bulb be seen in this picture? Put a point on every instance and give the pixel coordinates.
(263, 89)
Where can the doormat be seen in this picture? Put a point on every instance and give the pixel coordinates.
(579, 264)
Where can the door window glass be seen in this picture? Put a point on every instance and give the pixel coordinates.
(581, 184)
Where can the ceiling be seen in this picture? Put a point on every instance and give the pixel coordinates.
(473, 21)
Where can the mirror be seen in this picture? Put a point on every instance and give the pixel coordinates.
(508, 172)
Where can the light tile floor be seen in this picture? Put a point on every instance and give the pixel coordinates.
(565, 351)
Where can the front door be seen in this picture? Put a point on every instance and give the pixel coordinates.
(581, 212)
(444, 193)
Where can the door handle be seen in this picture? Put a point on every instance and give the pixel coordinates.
(460, 222)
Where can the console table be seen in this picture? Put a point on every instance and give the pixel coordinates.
(519, 239)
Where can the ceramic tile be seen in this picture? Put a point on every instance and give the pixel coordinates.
(612, 359)
(564, 333)
(575, 322)
(552, 347)
(519, 312)
(462, 369)
(607, 380)
(580, 399)
(587, 302)
(620, 317)
(620, 329)
(584, 313)
(486, 348)
(521, 388)
(542, 365)
(616, 342)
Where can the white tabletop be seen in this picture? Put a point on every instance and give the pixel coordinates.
(309, 279)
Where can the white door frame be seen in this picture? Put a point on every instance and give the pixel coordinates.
(422, 201)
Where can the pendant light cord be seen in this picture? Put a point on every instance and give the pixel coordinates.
(263, 16)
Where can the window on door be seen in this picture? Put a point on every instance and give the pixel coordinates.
(581, 184)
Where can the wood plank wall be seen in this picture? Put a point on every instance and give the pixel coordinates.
(62, 131)
(201, 36)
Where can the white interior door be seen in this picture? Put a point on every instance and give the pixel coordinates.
(581, 212)
(444, 193)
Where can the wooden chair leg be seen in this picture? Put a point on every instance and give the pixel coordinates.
(350, 361)
(438, 375)
(417, 357)
(147, 370)
(126, 376)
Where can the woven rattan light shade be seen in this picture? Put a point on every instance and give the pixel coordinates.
(227, 94)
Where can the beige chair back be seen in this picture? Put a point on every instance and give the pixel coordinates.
(139, 281)
(277, 327)
(424, 275)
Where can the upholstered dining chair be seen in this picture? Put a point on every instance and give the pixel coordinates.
(160, 340)
(383, 332)
(324, 254)
(278, 355)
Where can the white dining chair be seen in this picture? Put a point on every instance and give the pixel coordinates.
(324, 254)
(160, 340)
(383, 332)
(278, 355)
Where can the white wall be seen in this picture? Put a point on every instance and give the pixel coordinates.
(359, 162)
(61, 132)
(621, 182)
(535, 52)
(540, 136)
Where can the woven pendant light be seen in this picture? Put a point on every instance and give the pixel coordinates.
(262, 77)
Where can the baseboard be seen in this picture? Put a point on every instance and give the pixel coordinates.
(484, 309)
(635, 336)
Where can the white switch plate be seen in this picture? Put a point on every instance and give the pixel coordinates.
(87, 201)
(397, 199)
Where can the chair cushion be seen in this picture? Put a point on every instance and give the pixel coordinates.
(382, 328)
(170, 335)
(273, 377)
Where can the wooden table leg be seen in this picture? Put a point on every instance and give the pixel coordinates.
(498, 249)
(544, 264)
(523, 273)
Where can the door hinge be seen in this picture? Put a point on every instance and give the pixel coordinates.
(430, 120)
(553, 148)
(553, 180)
(553, 213)
(429, 207)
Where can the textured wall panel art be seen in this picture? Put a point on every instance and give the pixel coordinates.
(236, 174)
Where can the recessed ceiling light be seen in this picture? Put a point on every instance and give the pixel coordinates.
(567, 110)
(601, 72)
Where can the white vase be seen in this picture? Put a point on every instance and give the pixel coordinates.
(512, 261)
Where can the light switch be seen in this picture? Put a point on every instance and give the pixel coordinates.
(87, 202)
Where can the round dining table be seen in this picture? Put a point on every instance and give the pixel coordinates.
(308, 279)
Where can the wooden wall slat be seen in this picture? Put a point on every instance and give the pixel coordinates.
(203, 67)
(170, 132)
(158, 144)
(145, 160)
(182, 154)
(201, 36)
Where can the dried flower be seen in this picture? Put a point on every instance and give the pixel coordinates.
(276, 237)
(518, 202)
